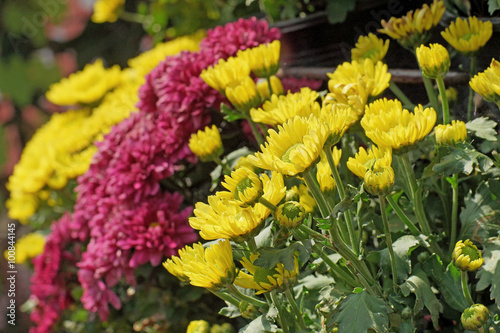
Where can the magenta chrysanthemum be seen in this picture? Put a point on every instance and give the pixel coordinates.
(51, 283)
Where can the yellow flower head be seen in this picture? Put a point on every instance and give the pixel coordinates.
(26, 247)
(324, 172)
(487, 83)
(468, 35)
(244, 187)
(211, 267)
(373, 77)
(243, 95)
(263, 59)
(290, 214)
(398, 128)
(474, 317)
(264, 279)
(451, 133)
(379, 180)
(413, 29)
(225, 73)
(279, 109)
(301, 193)
(433, 60)
(466, 256)
(353, 96)
(263, 87)
(338, 120)
(206, 144)
(222, 218)
(294, 148)
(370, 47)
(86, 86)
(198, 326)
(373, 158)
(107, 10)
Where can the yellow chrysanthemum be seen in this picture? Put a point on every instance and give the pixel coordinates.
(294, 148)
(365, 160)
(324, 172)
(243, 95)
(370, 47)
(225, 73)
(353, 96)
(379, 180)
(372, 76)
(301, 194)
(86, 86)
(26, 247)
(433, 60)
(487, 83)
(466, 256)
(263, 59)
(222, 218)
(206, 144)
(263, 87)
(264, 279)
(399, 128)
(211, 267)
(244, 186)
(474, 317)
(451, 133)
(413, 29)
(107, 10)
(468, 35)
(290, 214)
(198, 326)
(338, 120)
(280, 109)
(148, 60)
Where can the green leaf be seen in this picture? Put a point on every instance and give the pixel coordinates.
(481, 216)
(258, 325)
(361, 312)
(489, 274)
(337, 10)
(448, 281)
(418, 284)
(230, 114)
(402, 249)
(462, 158)
(493, 5)
(483, 128)
(270, 257)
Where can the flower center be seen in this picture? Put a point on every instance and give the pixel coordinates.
(286, 156)
(242, 186)
(468, 36)
(470, 252)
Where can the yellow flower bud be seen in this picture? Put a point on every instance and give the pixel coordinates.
(379, 181)
(434, 60)
(451, 133)
(466, 256)
(206, 144)
(290, 214)
(474, 317)
(263, 87)
(243, 95)
(198, 326)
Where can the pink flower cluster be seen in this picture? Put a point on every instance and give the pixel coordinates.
(52, 281)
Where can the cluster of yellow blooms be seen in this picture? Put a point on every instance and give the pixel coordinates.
(27, 247)
(301, 131)
(62, 149)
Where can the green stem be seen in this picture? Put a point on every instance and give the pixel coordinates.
(454, 212)
(400, 95)
(133, 17)
(270, 87)
(267, 204)
(413, 229)
(416, 198)
(388, 240)
(431, 93)
(226, 297)
(338, 272)
(255, 131)
(225, 168)
(254, 301)
(465, 288)
(295, 308)
(444, 100)
(472, 72)
(316, 193)
(281, 318)
(340, 188)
